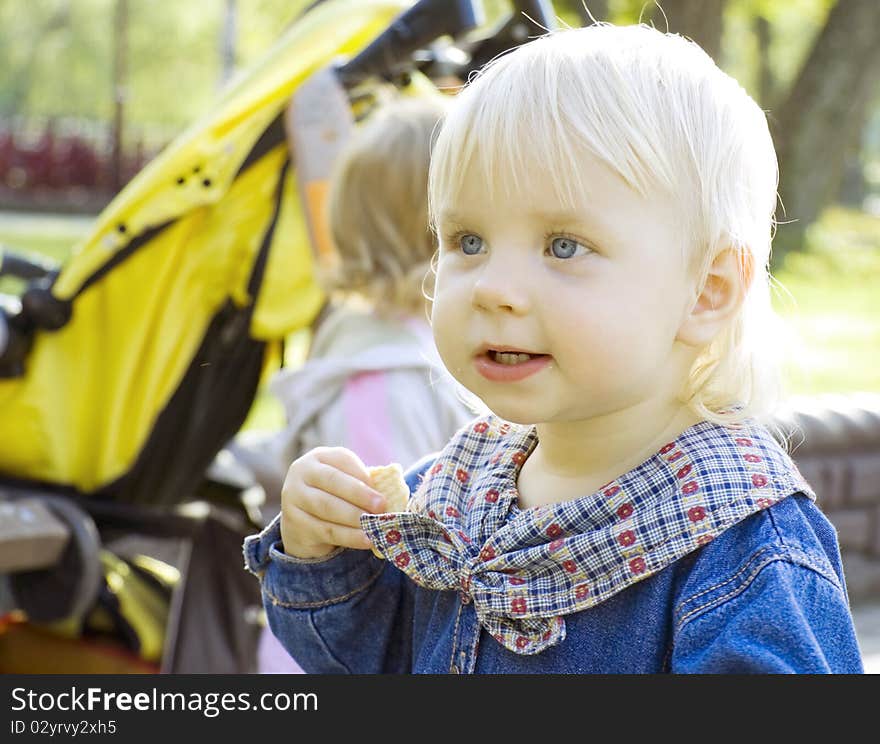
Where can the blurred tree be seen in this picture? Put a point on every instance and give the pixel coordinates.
(700, 20)
(228, 39)
(823, 115)
(584, 10)
(120, 92)
(47, 21)
(766, 79)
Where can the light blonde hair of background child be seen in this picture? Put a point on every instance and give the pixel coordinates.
(378, 206)
(658, 111)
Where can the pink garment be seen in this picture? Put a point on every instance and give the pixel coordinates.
(374, 385)
(365, 398)
(272, 657)
(366, 412)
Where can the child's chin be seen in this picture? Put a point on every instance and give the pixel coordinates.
(514, 414)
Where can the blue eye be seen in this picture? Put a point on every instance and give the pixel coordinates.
(470, 244)
(561, 247)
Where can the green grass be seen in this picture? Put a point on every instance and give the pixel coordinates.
(833, 310)
(48, 236)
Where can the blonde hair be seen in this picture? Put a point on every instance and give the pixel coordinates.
(657, 110)
(378, 209)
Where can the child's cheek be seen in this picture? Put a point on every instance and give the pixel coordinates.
(444, 318)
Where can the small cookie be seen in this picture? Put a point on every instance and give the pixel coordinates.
(388, 480)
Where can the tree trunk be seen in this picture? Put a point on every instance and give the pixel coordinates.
(766, 81)
(228, 37)
(822, 116)
(699, 20)
(120, 75)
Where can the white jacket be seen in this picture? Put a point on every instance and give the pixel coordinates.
(371, 384)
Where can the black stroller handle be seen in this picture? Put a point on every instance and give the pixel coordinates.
(413, 29)
(35, 308)
(24, 267)
(530, 18)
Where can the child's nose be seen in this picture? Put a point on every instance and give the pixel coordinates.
(500, 288)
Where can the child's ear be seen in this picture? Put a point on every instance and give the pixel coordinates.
(719, 298)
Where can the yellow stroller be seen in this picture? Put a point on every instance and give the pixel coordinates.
(127, 370)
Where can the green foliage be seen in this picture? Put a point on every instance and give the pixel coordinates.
(833, 308)
(793, 27)
(60, 56)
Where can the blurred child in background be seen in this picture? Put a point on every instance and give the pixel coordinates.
(372, 382)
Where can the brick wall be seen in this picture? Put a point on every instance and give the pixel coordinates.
(840, 457)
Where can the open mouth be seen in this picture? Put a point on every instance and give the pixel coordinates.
(511, 357)
(509, 365)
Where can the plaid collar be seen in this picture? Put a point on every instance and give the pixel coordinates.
(526, 569)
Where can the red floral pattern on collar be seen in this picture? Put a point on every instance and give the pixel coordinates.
(526, 569)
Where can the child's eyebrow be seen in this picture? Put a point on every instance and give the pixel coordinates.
(560, 216)
(451, 217)
(565, 216)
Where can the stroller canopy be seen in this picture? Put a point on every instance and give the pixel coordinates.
(210, 236)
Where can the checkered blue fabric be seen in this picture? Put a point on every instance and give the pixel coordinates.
(526, 569)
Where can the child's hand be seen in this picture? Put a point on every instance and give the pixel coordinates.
(323, 497)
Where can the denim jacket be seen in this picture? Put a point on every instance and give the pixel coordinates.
(710, 557)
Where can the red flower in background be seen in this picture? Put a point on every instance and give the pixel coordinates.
(751, 458)
(690, 487)
(613, 491)
(522, 642)
(451, 511)
(667, 448)
(637, 565)
(569, 566)
(487, 553)
(516, 581)
(402, 560)
(759, 480)
(438, 466)
(684, 471)
(392, 537)
(462, 475)
(519, 457)
(704, 539)
(556, 544)
(481, 427)
(492, 495)
(675, 456)
(581, 591)
(518, 606)
(554, 530)
(743, 442)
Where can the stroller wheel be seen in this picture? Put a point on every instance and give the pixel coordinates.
(70, 587)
